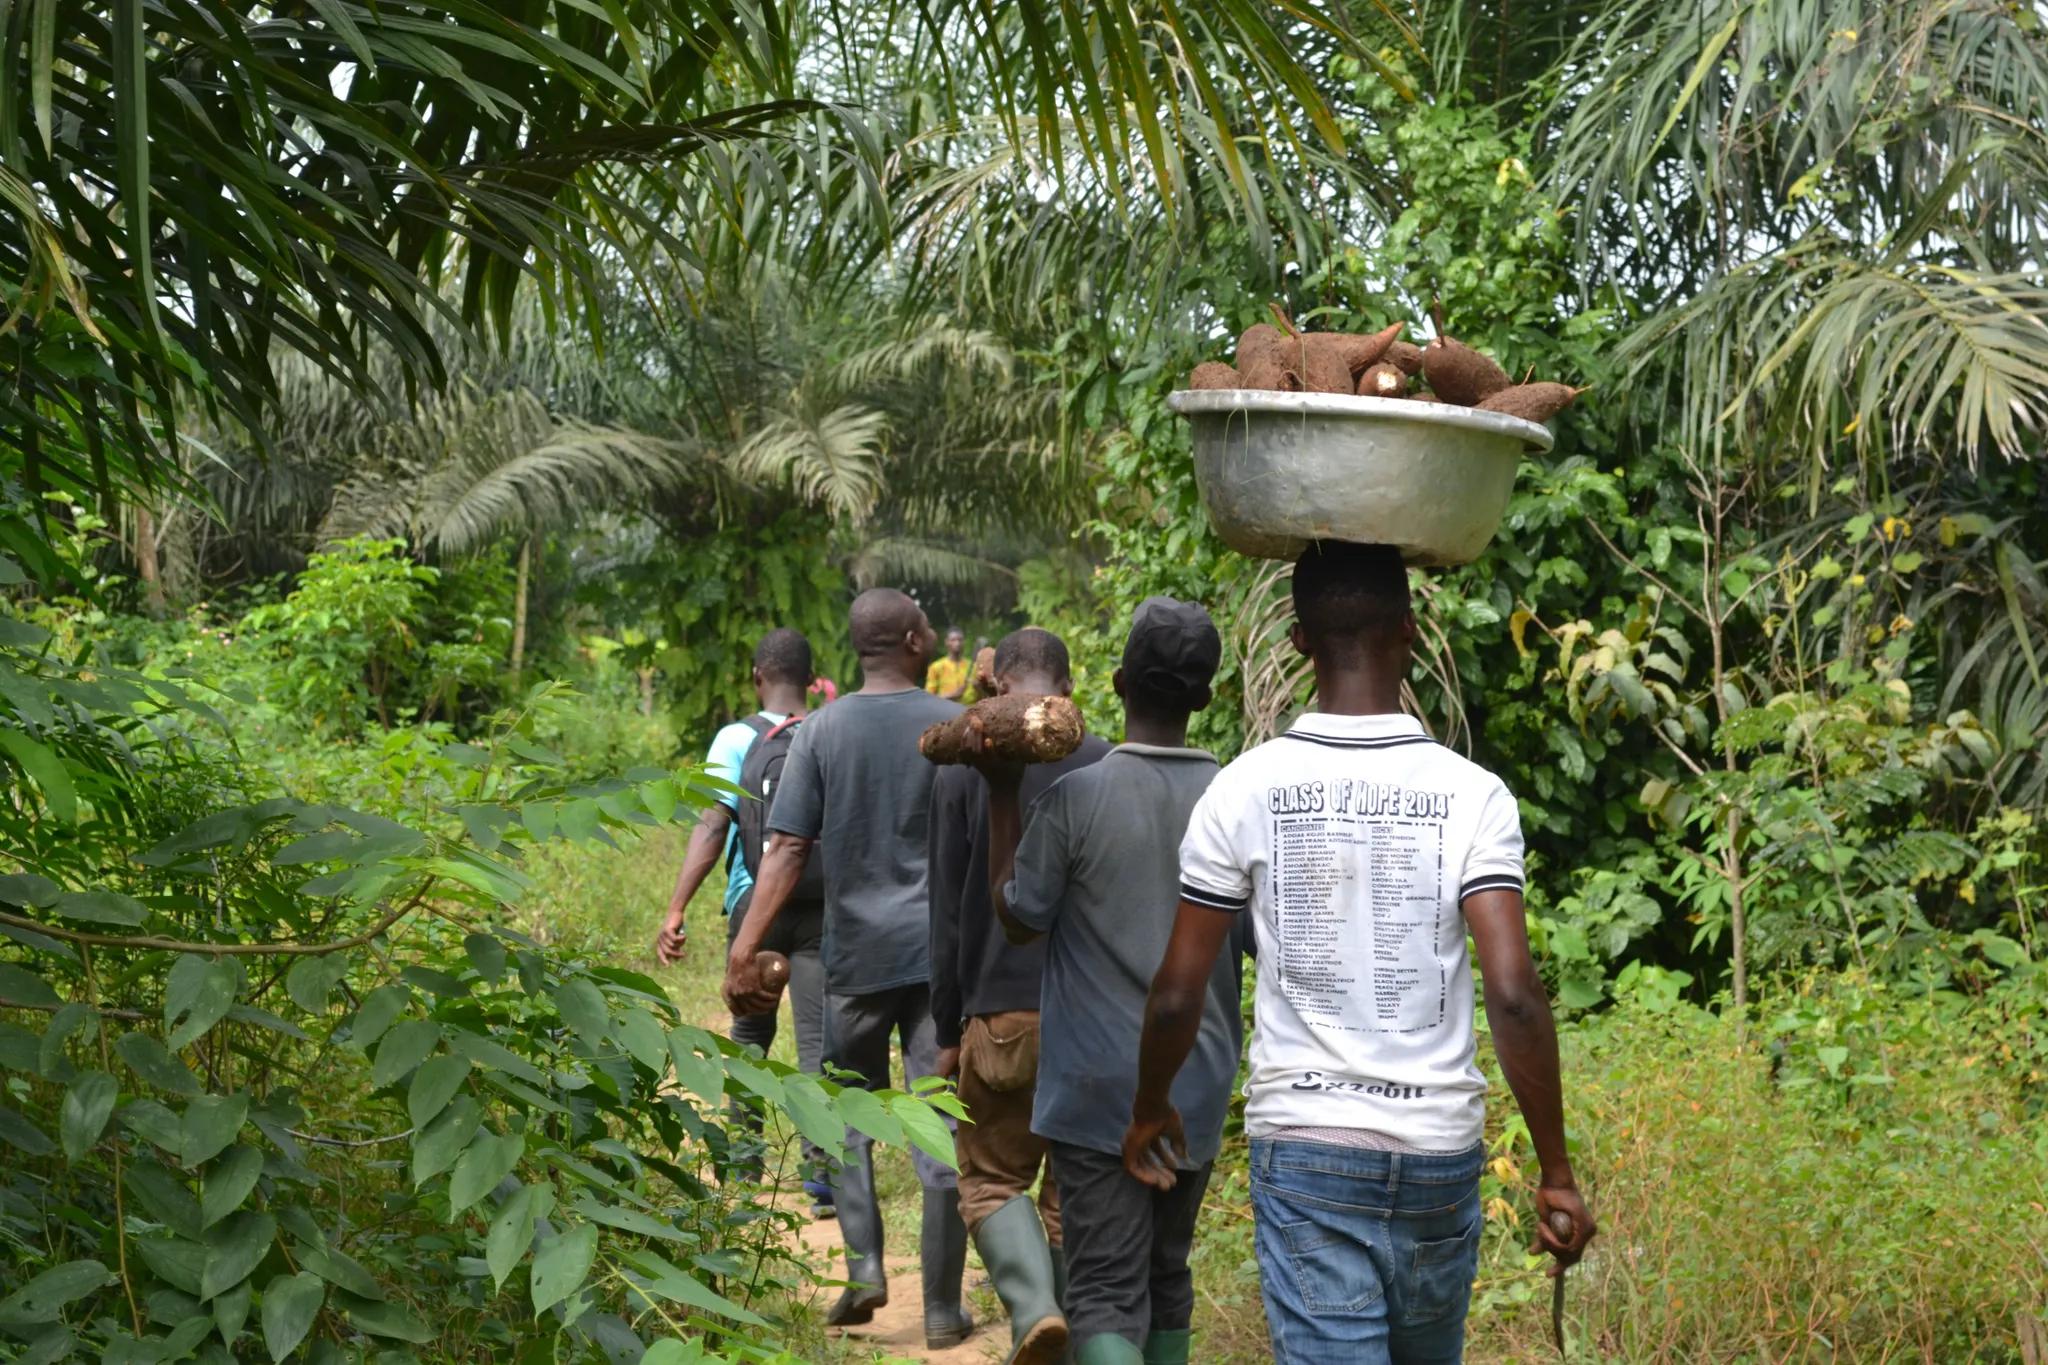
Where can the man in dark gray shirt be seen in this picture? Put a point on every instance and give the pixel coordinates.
(985, 1002)
(856, 790)
(1098, 868)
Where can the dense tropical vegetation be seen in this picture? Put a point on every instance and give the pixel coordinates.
(419, 408)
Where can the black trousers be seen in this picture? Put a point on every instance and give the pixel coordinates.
(1127, 1246)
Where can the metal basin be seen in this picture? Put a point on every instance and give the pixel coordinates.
(1279, 470)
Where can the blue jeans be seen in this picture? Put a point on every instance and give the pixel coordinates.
(1365, 1258)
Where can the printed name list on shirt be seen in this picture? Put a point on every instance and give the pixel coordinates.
(1349, 850)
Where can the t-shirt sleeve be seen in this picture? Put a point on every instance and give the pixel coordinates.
(1038, 881)
(949, 844)
(728, 754)
(800, 796)
(1494, 862)
(1215, 870)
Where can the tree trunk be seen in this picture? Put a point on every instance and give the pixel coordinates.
(519, 607)
(146, 567)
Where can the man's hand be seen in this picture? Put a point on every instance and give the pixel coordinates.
(1154, 1144)
(948, 1063)
(1563, 1199)
(744, 992)
(672, 939)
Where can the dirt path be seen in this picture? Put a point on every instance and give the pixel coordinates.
(898, 1327)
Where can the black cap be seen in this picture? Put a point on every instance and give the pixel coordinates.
(1172, 652)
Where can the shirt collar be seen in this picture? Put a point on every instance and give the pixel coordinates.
(1322, 725)
(1162, 751)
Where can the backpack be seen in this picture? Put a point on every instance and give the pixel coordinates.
(760, 771)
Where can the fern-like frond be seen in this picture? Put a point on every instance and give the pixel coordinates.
(904, 559)
(833, 460)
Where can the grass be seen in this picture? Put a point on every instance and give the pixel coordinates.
(1891, 1208)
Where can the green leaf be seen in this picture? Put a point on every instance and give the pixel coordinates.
(154, 1064)
(101, 907)
(375, 1014)
(311, 981)
(198, 993)
(864, 1111)
(512, 1230)
(404, 1048)
(227, 1183)
(163, 1195)
(583, 1009)
(433, 1085)
(18, 1133)
(560, 1265)
(698, 1069)
(231, 1310)
(28, 890)
(233, 1249)
(925, 1128)
(44, 1297)
(1832, 1058)
(341, 1270)
(88, 1104)
(154, 1123)
(47, 771)
(488, 1159)
(640, 1034)
(434, 1150)
(815, 1117)
(486, 954)
(290, 1303)
(20, 986)
(666, 1281)
(211, 1122)
(385, 1320)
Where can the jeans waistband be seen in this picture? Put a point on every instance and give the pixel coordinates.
(1395, 1169)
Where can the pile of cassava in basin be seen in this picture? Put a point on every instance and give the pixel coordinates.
(1378, 365)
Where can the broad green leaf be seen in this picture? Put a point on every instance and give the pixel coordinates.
(28, 890)
(814, 1115)
(924, 1127)
(197, 995)
(234, 1248)
(437, 1146)
(18, 1133)
(698, 1072)
(583, 1009)
(154, 1123)
(379, 1008)
(231, 1310)
(324, 847)
(404, 1048)
(311, 981)
(665, 1280)
(560, 1265)
(227, 1183)
(290, 1303)
(385, 1320)
(642, 1038)
(512, 1230)
(865, 1112)
(154, 1064)
(88, 1104)
(44, 1297)
(341, 1270)
(20, 986)
(175, 1260)
(162, 1195)
(492, 1056)
(486, 954)
(211, 1122)
(488, 1159)
(47, 771)
(101, 907)
(433, 1085)
(75, 1018)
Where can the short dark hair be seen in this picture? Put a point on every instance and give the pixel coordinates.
(784, 656)
(1344, 591)
(1033, 650)
(951, 631)
(880, 618)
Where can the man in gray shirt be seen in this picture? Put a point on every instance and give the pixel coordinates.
(856, 792)
(1098, 869)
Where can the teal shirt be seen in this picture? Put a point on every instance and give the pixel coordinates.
(727, 755)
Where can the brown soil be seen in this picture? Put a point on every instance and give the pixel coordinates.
(898, 1326)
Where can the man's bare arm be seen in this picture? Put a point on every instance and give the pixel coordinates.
(1005, 833)
(700, 855)
(782, 865)
(1173, 1020)
(1525, 1039)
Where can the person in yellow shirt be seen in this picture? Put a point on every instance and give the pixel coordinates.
(948, 676)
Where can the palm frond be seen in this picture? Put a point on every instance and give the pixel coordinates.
(833, 460)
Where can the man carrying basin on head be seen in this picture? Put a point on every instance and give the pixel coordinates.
(857, 793)
(1364, 853)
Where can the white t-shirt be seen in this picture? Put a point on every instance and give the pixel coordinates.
(1353, 841)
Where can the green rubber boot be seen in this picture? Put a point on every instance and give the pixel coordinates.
(1013, 1247)
(1109, 1349)
(1168, 1348)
